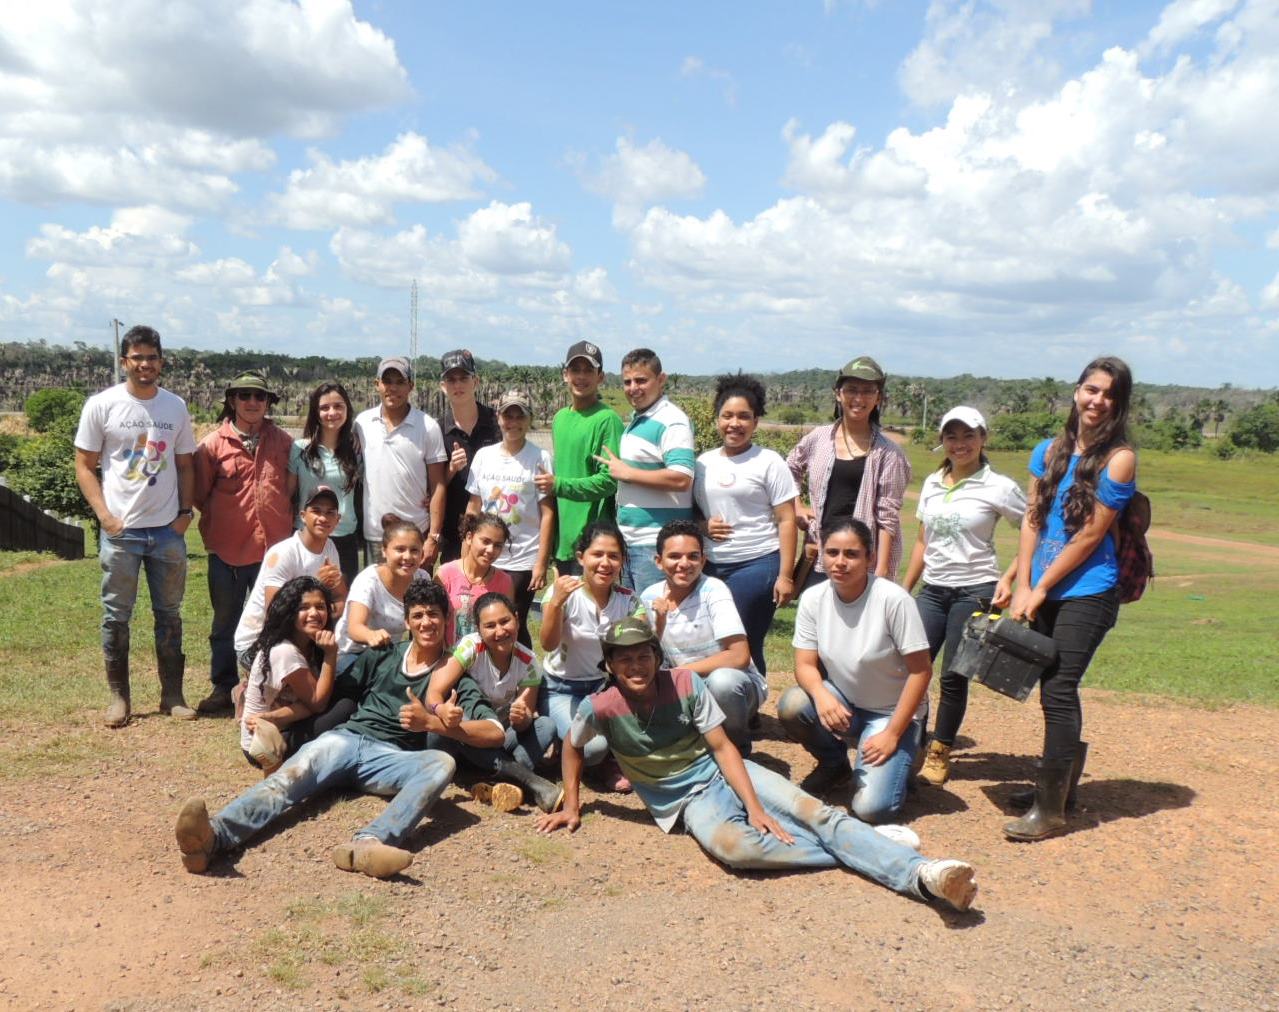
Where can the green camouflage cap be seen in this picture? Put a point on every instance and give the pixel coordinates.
(251, 380)
(629, 632)
(863, 368)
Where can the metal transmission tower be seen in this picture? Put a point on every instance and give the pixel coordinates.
(413, 348)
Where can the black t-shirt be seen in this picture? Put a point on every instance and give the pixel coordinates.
(485, 433)
(845, 484)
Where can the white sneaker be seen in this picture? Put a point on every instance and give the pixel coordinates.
(904, 835)
(950, 881)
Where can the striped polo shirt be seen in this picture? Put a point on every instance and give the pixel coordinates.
(659, 437)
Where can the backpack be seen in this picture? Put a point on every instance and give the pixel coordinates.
(1132, 552)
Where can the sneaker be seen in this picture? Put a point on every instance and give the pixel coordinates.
(826, 777)
(194, 834)
(936, 769)
(218, 701)
(614, 779)
(371, 857)
(949, 881)
(904, 835)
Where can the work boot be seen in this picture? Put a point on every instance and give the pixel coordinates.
(1024, 799)
(371, 857)
(826, 777)
(1047, 815)
(195, 836)
(217, 703)
(117, 714)
(548, 796)
(172, 668)
(936, 768)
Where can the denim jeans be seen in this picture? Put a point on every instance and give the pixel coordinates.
(229, 588)
(162, 551)
(738, 696)
(878, 791)
(338, 760)
(641, 571)
(527, 747)
(559, 699)
(1078, 624)
(824, 836)
(944, 611)
(751, 584)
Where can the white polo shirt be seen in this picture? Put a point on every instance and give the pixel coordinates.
(959, 526)
(395, 467)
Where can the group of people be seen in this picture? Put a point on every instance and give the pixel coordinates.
(658, 571)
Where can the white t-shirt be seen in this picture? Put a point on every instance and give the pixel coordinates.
(266, 689)
(743, 491)
(959, 526)
(386, 611)
(137, 440)
(579, 654)
(395, 467)
(499, 688)
(282, 562)
(698, 627)
(505, 487)
(863, 644)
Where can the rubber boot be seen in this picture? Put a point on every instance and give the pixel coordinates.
(117, 714)
(172, 668)
(548, 796)
(1047, 815)
(1024, 799)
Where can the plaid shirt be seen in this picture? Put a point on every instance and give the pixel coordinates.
(879, 503)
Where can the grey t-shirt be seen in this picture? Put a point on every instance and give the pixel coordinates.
(863, 643)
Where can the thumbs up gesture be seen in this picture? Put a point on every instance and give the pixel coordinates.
(413, 715)
(449, 713)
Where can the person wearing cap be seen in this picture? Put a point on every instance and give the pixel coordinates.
(959, 506)
(244, 492)
(583, 488)
(502, 481)
(666, 730)
(467, 425)
(405, 466)
(139, 436)
(851, 468)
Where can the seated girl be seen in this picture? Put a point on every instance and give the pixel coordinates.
(374, 614)
(484, 536)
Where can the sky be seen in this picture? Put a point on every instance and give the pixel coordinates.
(999, 187)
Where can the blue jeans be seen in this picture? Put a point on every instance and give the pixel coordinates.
(738, 696)
(162, 551)
(751, 584)
(944, 611)
(824, 836)
(641, 571)
(339, 760)
(229, 588)
(525, 747)
(559, 699)
(878, 791)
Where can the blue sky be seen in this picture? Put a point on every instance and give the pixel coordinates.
(1000, 188)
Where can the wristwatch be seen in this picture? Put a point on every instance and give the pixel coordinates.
(434, 537)
(188, 512)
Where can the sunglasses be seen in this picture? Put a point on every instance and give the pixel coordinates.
(251, 395)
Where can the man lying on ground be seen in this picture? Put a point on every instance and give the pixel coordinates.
(381, 750)
(664, 728)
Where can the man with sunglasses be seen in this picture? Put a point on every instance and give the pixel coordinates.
(243, 490)
(138, 437)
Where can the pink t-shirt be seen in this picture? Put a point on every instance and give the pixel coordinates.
(462, 592)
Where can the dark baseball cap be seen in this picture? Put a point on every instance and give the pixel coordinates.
(863, 368)
(321, 492)
(397, 362)
(460, 359)
(586, 350)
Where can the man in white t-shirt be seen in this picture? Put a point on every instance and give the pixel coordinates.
(405, 469)
(699, 628)
(139, 435)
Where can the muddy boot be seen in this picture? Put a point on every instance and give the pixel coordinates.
(548, 796)
(194, 834)
(218, 703)
(936, 768)
(371, 857)
(1047, 815)
(826, 777)
(1024, 799)
(172, 668)
(117, 714)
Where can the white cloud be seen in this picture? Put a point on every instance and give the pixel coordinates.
(636, 177)
(364, 191)
(1184, 18)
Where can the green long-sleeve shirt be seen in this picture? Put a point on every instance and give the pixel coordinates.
(584, 490)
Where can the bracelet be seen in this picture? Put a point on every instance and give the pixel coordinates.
(431, 708)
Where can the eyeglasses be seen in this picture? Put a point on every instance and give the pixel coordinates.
(251, 395)
(860, 393)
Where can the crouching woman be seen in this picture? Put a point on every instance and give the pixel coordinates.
(666, 731)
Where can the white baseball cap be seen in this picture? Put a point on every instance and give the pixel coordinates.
(965, 416)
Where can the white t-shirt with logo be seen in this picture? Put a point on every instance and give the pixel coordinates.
(959, 526)
(266, 688)
(137, 440)
(579, 654)
(743, 490)
(500, 688)
(505, 486)
(282, 562)
(698, 626)
(395, 465)
(386, 611)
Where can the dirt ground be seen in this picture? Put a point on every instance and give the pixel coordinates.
(1162, 895)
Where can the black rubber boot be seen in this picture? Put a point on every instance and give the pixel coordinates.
(117, 713)
(172, 668)
(546, 795)
(1024, 799)
(826, 777)
(1047, 815)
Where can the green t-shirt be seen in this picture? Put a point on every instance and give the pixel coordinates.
(377, 680)
(584, 490)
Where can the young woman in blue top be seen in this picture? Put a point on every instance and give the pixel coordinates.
(1067, 571)
(329, 454)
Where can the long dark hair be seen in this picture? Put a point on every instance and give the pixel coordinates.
(1111, 436)
(281, 619)
(348, 450)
